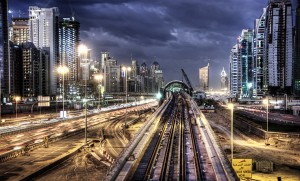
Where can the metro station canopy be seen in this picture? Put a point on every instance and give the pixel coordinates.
(175, 86)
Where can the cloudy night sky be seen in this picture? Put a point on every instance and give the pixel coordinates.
(176, 33)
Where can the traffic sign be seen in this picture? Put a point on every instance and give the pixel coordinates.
(242, 167)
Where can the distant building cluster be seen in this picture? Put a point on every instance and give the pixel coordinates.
(32, 48)
(266, 59)
(204, 74)
(140, 78)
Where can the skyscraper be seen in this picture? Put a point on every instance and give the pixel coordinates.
(144, 75)
(20, 30)
(32, 85)
(234, 71)
(68, 46)
(104, 57)
(4, 60)
(204, 78)
(224, 80)
(246, 62)
(43, 33)
(157, 75)
(279, 47)
(258, 55)
(84, 59)
(113, 76)
(296, 82)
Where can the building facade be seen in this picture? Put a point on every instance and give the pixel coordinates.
(296, 72)
(234, 78)
(114, 82)
(68, 46)
(20, 31)
(204, 78)
(157, 74)
(43, 33)
(4, 51)
(246, 62)
(279, 47)
(258, 56)
(224, 81)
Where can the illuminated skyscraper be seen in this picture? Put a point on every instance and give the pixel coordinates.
(158, 79)
(224, 80)
(103, 62)
(246, 62)
(279, 47)
(20, 30)
(4, 60)
(234, 71)
(43, 33)
(68, 46)
(204, 78)
(258, 56)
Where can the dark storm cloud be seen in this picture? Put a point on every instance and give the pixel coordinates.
(177, 33)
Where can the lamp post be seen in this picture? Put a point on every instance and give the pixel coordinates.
(17, 98)
(83, 52)
(99, 77)
(266, 102)
(63, 70)
(230, 106)
(126, 70)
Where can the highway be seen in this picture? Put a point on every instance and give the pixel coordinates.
(16, 137)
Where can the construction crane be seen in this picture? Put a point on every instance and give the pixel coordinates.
(187, 81)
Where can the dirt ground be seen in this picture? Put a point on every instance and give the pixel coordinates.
(84, 166)
(284, 153)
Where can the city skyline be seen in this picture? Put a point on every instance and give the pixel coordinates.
(182, 34)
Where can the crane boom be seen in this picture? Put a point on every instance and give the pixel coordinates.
(187, 80)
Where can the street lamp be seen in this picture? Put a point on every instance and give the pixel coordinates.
(83, 52)
(63, 70)
(266, 102)
(99, 77)
(85, 114)
(17, 98)
(126, 70)
(230, 106)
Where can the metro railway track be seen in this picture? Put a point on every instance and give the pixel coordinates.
(197, 152)
(171, 131)
(185, 148)
(169, 158)
(155, 151)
